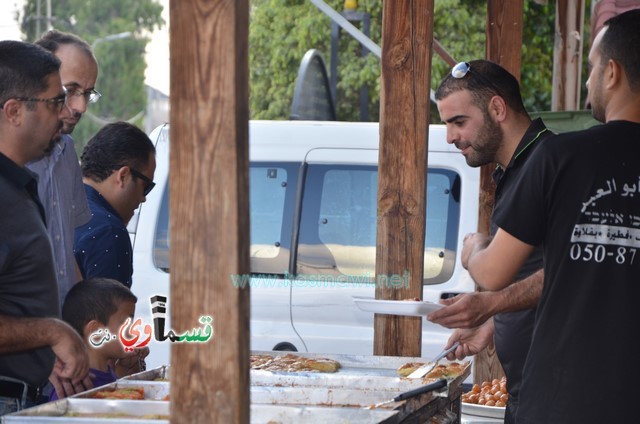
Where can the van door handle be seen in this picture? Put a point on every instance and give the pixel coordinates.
(449, 295)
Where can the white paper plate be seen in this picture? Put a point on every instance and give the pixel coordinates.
(483, 411)
(396, 307)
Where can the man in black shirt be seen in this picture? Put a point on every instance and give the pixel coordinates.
(579, 196)
(32, 337)
(480, 104)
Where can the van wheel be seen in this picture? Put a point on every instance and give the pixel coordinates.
(285, 347)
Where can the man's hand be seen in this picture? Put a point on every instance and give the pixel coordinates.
(65, 387)
(467, 310)
(472, 341)
(473, 242)
(72, 359)
(70, 373)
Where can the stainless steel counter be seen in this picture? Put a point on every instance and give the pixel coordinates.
(283, 397)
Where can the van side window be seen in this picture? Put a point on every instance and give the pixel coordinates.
(271, 199)
(339, 222)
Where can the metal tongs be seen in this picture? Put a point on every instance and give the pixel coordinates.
(411, 393)
(425, 369)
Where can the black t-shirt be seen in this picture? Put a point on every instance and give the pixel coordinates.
(513, 330)
(579, 195)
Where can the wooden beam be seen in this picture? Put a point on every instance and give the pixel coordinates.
(504, 34)
(209, 208)
(407, 33)
(567, 55)
(503, 46)
(443, 53)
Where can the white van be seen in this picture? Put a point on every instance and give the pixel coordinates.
(313, 193)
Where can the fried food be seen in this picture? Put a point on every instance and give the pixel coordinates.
(133, 393)
(450, 370)
(293, 363)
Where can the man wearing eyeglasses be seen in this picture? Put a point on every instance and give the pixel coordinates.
(32, 337)
(59, 179)
(579, 196)
(118, 165)
(481, 105)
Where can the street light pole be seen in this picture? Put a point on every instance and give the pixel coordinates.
(111, 37)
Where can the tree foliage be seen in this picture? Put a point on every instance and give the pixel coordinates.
(121, 62)
(281, 31)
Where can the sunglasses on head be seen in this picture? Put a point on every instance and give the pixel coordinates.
(461, 70)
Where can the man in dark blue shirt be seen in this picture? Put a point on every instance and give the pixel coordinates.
(118, 165)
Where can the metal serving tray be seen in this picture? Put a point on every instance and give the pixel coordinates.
(153, 390)
(60, 411)
(156, 374)
(280, 414)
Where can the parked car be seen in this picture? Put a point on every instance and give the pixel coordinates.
(313, 203)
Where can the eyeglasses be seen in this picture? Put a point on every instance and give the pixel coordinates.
(90, 96)
(463, 68)
(149, 184)
(59, 101)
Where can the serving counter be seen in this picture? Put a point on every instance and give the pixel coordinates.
(346, 396)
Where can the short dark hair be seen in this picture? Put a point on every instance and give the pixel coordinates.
(24, 69)
(621, 42)
(94, 299)
(53, 39)
(114, 146)
(484, 80)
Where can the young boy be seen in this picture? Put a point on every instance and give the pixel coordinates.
(97, 308)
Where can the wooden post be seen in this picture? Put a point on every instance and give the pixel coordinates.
(407, 32)
(504, 43)
(567, 55)
(209, 208)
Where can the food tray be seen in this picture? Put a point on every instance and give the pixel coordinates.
(281, 414)
(356, 372)
(483, 411)
(55, 412)
(156, 374)
(153, 390)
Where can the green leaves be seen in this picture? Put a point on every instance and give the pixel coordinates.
(121, 62)
(282, 31)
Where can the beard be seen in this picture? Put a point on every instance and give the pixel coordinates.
(597, 110)
(487, 143)
(56, 137)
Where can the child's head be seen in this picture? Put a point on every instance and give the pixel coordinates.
(96, 304)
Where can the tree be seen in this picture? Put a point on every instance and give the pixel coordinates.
(121, 62)
(281, 31)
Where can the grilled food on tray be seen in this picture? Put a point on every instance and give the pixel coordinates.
(131, 393)
(293, 363)
(450, 370)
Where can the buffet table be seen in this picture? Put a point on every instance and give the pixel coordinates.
(346, 396)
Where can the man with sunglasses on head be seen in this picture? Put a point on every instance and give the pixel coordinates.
(117, 165)
(59, 178)
(579, 196)
(481, 105)
(32, 337)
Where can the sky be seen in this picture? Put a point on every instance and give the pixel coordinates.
(157, 49)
